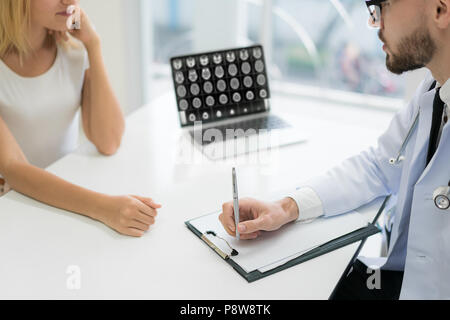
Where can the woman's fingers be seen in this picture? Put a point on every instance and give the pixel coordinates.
(133, 232)
(145, 209)
(145, 218)
(138, 225)
(148, 201)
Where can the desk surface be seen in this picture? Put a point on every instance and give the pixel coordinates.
(38, 243)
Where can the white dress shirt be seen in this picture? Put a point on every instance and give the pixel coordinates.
(310, 205)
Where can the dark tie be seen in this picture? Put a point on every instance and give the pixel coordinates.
(438, 109)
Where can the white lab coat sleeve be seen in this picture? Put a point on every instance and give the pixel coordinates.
(363, 177)
(308, 203)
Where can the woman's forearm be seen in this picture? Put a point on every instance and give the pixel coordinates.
(45, 187)
(106, 119)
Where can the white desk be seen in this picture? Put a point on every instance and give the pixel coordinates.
(38, 243)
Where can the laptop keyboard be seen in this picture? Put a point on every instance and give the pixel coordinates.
(241, 128)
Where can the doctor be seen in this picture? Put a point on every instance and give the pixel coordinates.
(411, 161)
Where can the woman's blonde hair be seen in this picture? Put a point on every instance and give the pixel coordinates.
(15, 17)
(15, 21)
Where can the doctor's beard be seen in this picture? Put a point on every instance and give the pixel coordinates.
(413, 52)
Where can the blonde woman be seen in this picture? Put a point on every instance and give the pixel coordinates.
(46, 73)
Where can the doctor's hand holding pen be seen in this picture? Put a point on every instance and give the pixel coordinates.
(256, 216)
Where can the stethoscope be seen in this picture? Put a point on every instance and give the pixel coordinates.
(441, 196)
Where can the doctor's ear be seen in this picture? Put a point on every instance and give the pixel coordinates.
(442, 13)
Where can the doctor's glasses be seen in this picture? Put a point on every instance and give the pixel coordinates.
(374, 7)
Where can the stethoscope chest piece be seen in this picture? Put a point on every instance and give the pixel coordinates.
(441, 197)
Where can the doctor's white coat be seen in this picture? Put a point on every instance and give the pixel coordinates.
(420, 241)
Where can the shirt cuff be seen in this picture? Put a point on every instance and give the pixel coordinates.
(309, 204)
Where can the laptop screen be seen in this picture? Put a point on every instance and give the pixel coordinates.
(218, 85)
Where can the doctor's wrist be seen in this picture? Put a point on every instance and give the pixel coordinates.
(290, 207)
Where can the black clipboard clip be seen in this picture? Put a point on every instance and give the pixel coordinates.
(225, 256)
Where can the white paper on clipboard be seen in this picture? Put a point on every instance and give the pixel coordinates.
(275, 248)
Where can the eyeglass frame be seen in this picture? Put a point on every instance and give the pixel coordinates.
(373, 23)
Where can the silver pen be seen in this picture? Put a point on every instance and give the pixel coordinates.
(235, 203)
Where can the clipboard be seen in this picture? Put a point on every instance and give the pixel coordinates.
(328, 246)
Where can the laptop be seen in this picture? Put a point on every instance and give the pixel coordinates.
(223, 102)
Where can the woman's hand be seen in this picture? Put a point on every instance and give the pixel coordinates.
(86, 33)
(129, 215)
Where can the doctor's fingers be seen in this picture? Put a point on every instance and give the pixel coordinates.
(230, 229)
(228, 214)
(252, 227)
(250, 236)
(227, 224)
(248, 209)
(227, 217)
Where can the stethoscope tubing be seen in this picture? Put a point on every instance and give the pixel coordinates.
(440, 192)
(400, 156)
